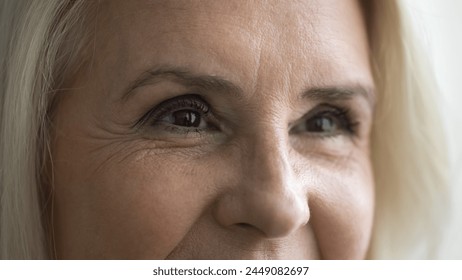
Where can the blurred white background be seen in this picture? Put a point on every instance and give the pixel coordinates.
(439, 24)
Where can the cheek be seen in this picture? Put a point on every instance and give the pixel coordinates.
(158, 203)
(342, 212)
(132, 206)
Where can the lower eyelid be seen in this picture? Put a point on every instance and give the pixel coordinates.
(164, 132)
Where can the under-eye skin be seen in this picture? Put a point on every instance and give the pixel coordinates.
(183, 114)
(327, 121)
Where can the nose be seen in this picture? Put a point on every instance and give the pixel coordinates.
(266, 196)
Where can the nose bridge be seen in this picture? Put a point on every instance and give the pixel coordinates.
(267, 165)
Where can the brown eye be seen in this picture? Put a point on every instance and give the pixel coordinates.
(184, 118)
(184, 113)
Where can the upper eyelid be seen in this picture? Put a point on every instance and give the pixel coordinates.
(321, 108)
(193, 99)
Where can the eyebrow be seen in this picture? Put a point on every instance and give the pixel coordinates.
(215, 83)
(333, 93)
(185, 78)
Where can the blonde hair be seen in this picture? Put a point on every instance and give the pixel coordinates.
(40, 44)
(408, 143)
(39, 47)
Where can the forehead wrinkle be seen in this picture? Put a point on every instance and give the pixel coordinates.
(266, 35)
(125, 59)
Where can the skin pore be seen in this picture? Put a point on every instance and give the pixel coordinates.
(217, 130)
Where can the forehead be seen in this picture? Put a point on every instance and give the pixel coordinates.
(315, 41)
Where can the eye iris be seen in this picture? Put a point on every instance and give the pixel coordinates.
(321, 124)
(186, 118)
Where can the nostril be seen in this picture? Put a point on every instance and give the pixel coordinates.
(244, 225)
(251, 229)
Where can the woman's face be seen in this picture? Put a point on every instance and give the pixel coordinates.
(217, 130)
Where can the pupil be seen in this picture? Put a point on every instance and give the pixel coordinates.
(324, 125)
(186, 118)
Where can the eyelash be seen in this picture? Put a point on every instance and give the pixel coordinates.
(341, 116)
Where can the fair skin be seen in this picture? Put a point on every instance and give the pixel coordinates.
(217, 130)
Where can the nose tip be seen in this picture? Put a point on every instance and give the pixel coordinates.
(273, 214)
(279, 215)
